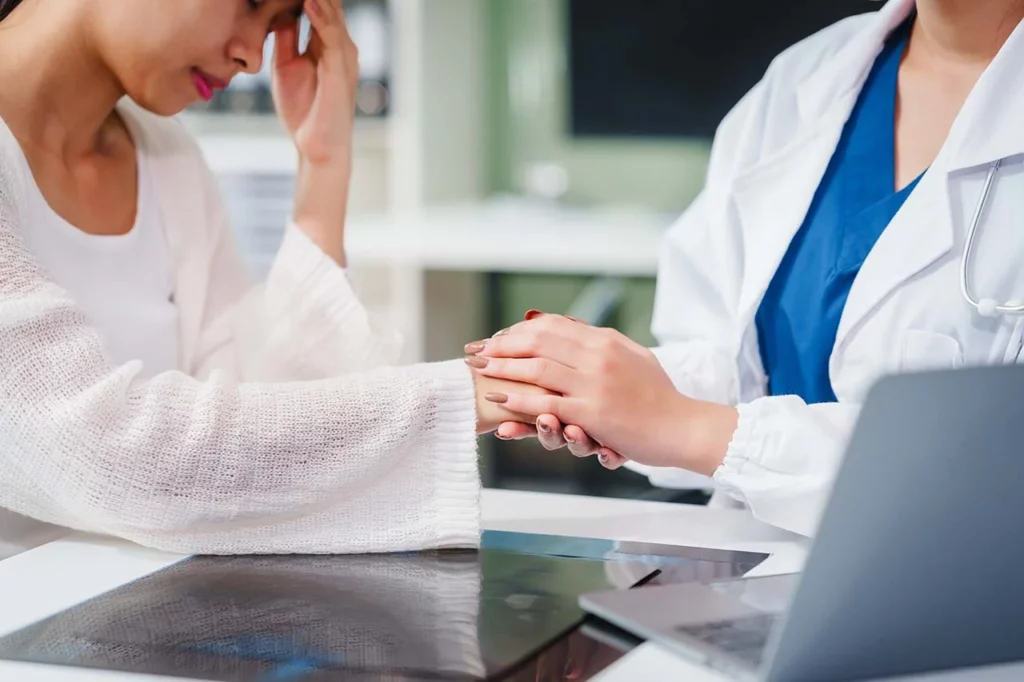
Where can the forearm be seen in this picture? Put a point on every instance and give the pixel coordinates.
(321, 203)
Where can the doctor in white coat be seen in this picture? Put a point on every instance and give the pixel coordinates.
(816, 260)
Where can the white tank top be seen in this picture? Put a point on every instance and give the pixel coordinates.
(124, 284)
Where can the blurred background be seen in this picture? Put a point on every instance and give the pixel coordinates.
(515, 154)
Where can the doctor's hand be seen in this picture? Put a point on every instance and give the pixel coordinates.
(550, 432)
(490, 414)
(611, 387)
(314, 92)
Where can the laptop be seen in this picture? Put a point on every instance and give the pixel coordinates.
(918, 564)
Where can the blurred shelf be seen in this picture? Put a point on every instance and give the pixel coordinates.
(257, 144)
(516, 237)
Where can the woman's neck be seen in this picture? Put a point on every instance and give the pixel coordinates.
(57, 96)
(965, 33)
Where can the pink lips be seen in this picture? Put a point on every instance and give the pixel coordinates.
(206, 84)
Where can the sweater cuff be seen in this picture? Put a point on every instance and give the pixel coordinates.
(305, 271)
(454, 454)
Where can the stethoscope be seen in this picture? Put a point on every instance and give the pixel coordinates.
(988, 307)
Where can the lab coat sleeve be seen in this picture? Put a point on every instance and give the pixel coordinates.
(304, 322)
(783, 459)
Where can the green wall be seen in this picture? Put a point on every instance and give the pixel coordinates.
(528, 124)
(529, 108)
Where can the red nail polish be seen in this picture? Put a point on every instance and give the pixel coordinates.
(532, 314)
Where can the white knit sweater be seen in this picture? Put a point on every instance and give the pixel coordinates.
(284, 431)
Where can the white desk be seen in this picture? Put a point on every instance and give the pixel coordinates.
(49, 579)
(53, 577)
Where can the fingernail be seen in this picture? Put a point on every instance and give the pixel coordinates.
(501, 437)
(476, 362)
(475, 347)
(530, 314)
(543, 428)
(571, 441)
(603, 458)
(503, 332)
(499, 398)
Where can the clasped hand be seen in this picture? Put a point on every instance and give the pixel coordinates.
(612, 394)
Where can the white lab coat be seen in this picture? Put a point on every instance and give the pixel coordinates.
(905, 311)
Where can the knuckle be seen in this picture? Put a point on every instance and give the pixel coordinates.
(542, 371)
(605, 366)
(535, 371)
(545, 324)
(495, 346)
(533, 345)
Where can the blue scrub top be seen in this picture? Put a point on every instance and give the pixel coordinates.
(798, 319)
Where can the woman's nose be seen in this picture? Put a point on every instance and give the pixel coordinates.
(247, 53)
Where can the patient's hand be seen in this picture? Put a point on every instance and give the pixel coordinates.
(553, 435)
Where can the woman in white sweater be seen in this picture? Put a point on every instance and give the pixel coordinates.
(145, 391)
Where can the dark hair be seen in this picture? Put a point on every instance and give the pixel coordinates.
(7, 6)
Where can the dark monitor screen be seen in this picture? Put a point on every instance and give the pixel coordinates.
(674, 68)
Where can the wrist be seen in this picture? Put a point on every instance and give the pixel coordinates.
(321, 202)
(704, 430)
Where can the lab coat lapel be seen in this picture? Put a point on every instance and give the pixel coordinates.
(919, 235)
(991, 124)
(772, 202)
(988, 128)
(772, 198)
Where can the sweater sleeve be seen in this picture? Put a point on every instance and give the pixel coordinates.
(377, 461)
(304, 322)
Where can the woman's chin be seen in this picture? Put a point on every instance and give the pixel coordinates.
(167, 104)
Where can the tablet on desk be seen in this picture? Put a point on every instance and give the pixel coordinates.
(443, 615)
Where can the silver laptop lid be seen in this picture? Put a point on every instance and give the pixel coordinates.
(918, 561)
